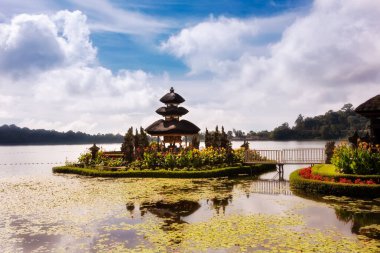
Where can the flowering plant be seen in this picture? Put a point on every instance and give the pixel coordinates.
(363, 160)
(307, 173)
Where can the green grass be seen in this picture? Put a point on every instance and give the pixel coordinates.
(325, 170)
(219, 172)
(330, 188)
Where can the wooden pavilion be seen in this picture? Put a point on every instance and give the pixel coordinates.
(171, 128)
(371, 110)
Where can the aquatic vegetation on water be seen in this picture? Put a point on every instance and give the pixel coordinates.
(238, 233)
(78, 214)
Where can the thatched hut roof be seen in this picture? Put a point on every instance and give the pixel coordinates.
(370, 108)
(172, 98)
(172, 110)
(172, 127)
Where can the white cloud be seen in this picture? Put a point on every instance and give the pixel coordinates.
(324, 58)
(214, 45)
(38, 42)
(75, 37)
(50, 78)
(103, 15)
(253, 73)
(29, 42)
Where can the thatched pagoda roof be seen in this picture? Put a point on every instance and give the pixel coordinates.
(172, 127)
(172, 98)
(370, 108)
(172, 110)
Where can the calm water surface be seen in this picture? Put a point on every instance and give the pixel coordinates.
(43, 212)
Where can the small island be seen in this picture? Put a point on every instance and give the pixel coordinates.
(349, 170)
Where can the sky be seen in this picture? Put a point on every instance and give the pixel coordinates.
(102, 66)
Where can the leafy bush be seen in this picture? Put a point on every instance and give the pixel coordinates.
(329, 151)
(363, 160)
(298, 183)
(85, 159)
(186, 159)
(115, 162)
(308, 173)
(190, 158)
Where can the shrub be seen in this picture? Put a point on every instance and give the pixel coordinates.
(85, 159)
(193, 158)
(329, 151)
(298, 183)
(307, 173)
(115, 162)
(153, 158)
(363, 160)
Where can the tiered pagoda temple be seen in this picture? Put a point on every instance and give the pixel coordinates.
(172, 128)
(371, 110)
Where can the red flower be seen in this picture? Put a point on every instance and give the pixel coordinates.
(345, 180)
(307, 174)
(370, 182)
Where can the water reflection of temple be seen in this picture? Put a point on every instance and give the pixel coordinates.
(171, 212)
(371, 110)
(220, 204)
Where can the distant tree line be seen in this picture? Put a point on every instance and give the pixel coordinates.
(13, 135)
(331, 125)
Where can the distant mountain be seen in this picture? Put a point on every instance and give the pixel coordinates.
(14, 135)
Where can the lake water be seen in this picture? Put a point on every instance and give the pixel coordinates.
(45, 212)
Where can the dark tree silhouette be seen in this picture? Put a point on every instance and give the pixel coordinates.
(13, 135)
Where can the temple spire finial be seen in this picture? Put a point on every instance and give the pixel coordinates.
(171, 90)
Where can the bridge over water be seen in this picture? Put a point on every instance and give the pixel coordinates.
(284, 157)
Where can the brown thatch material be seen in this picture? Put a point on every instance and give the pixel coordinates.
(172, 98)
(370, 108)
(172, 110)
(173, 127)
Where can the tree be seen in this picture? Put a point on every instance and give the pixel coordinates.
(238, 133)
(127, 146)
(347, 107)
(325, 132)
(299, 121)
(136, 139)
(216, 138)
(141, 142)
(195, 140)
(282, 132)
(251, 134)
(208, 139)
(224, 142)
(144, 140)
